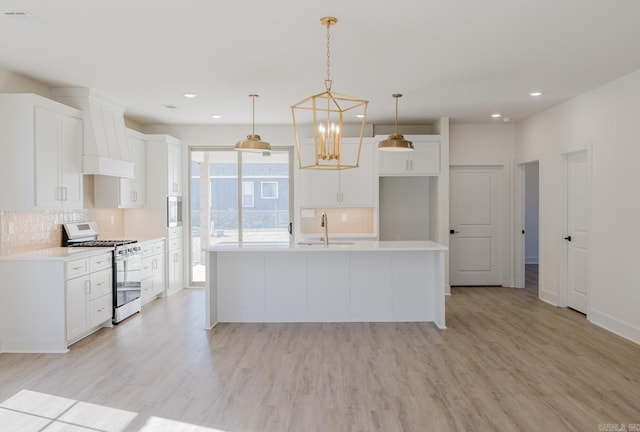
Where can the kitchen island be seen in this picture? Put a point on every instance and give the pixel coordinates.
(364, 281)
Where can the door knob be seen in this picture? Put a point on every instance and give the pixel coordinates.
(568, 238)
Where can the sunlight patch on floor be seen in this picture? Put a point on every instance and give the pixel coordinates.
(29, 411)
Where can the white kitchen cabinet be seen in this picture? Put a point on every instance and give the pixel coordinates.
(52, 298)
(174, 184)
(153, 279)
(175, 262)
(89, 298)
(41, 142)
(345, 188)
(423, 161)
(117, 192)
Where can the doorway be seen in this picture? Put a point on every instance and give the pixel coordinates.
(238, 197)
(528, 256)
(475, 249)
(576, 240)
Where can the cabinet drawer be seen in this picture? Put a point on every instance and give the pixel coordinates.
(76, 268)
(175, 232)
(147, 267)
(100, 284)
(175, 244)
(146, 289)
(100, 262)
(149, 249)
(100, 310)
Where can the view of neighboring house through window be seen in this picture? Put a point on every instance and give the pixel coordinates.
(238, 196)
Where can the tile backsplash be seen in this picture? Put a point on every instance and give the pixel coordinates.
(25, 231)
(347, 221)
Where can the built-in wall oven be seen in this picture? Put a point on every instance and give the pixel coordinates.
(127, 266)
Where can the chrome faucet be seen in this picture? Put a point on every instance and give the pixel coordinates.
(324, 224)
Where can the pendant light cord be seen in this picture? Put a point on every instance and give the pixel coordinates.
(396, 96)
(253, 114)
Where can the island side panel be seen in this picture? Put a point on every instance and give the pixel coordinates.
(440, 289)
(32, 307)
(211, 290)
(413, 286)
(241, 286)
(285, 287)
(370, 286)
(328, 286)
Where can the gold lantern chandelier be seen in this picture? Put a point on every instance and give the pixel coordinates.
(396, 141)
(326, 112)
(253, 143)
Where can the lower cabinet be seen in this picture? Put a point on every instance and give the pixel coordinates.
(89, 298)
(174, 261)
(152, 285)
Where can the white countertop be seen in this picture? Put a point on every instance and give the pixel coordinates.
(150, 239)
(58, 253)
(337, 245)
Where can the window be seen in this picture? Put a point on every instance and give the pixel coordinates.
(269, 190)
(247, 194)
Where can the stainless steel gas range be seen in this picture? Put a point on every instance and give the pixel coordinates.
(127, 266)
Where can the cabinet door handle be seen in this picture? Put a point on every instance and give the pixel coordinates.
(64, 194)
(175, 257)
(87, 287)
(154, 264)
(134, 196)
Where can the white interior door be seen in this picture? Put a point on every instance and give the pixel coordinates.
(474, 243)
(577, 238)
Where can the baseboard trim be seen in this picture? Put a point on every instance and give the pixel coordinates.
(549, 297)
(614, 325)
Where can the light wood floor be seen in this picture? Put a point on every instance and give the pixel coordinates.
(507, 362)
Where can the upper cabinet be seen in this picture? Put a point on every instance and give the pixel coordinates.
(41, 142)
(175, 168)
(118, 192)
(345, 188)
(163, 174)
(423, 161)
(106, 149)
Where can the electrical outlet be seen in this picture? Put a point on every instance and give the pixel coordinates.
(344, 217)
(12, 228)
(113, 220)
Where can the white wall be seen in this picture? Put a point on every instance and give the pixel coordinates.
(605, 120)
(490, 144)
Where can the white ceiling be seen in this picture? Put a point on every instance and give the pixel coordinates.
(464, 59)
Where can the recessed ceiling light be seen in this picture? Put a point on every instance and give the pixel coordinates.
(360, 115)
(190, 95)
(535, 93)
(216, 116)
(171, 107)
(506, 119)
(496, 115)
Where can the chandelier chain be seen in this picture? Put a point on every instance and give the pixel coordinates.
(328, 51)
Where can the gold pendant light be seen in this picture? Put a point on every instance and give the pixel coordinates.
(396, 141)
(253, 143)
(325, 112)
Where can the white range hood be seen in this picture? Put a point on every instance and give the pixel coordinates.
(106, 151)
